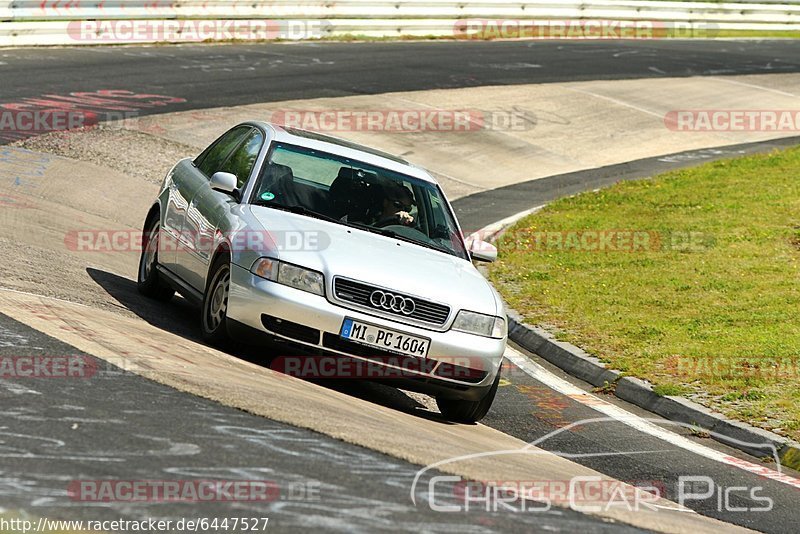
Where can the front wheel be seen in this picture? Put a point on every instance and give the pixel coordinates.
(464, 411)
(215, 303)
(148, 282)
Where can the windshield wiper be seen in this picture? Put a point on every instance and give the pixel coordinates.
(373, 229)
(432, 246)
(300, 210)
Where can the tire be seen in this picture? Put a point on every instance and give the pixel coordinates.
(464, 411)
(214, 317)
(148, 282)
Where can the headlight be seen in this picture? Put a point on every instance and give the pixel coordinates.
(299, 278)
(289, 275)
(478, 323)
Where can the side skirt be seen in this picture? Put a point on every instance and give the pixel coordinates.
(188, 292)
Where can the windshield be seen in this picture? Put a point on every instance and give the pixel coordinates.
(357, 194)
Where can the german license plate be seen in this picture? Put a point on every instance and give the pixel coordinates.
(384, 338)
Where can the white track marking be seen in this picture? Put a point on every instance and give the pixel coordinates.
(640, 424)
(744, 84)
(615, 101)
(494, 230)
(39, 295)
(460, 181)
(17, 389)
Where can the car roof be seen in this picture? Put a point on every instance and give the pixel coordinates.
(343, 147)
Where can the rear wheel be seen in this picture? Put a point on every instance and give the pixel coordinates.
(148, 282)
(215, 302)
(464, 411)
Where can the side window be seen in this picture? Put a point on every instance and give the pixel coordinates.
(242, 160)
(214, 156)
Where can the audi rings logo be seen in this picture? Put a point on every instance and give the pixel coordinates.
(390, 302)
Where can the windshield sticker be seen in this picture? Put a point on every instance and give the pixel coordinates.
(267, 196)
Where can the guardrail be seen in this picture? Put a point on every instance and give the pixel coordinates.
(731, 11)
(50, 22)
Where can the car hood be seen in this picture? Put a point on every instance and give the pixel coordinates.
(339, 250)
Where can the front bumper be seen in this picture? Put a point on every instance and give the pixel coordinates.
(252, 298)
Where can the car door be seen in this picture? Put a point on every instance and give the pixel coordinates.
(208, 207)
(188, 178)
(172, 215)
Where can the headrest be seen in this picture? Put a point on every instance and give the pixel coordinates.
(278, 172)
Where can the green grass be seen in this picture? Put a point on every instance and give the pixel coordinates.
(764, 34)
(708, 305)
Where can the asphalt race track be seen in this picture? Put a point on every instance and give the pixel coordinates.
(40, 450)
(320, 482)
(232, 75)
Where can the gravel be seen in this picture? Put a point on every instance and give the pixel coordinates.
(138, 155)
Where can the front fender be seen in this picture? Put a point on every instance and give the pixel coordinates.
(244, 238)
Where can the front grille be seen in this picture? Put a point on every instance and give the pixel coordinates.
(291, 330)
(358, 293)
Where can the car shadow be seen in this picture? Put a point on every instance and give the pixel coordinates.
(179, 317)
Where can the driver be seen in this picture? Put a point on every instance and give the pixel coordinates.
(396, 204)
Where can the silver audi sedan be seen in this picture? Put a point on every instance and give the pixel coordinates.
(350, 257)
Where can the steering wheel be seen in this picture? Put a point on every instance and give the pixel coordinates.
(386, 221)
(408, 231)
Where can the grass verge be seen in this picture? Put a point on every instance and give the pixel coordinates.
(690, 280)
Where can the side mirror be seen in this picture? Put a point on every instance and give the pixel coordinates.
(482, 251)
(224, 181)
